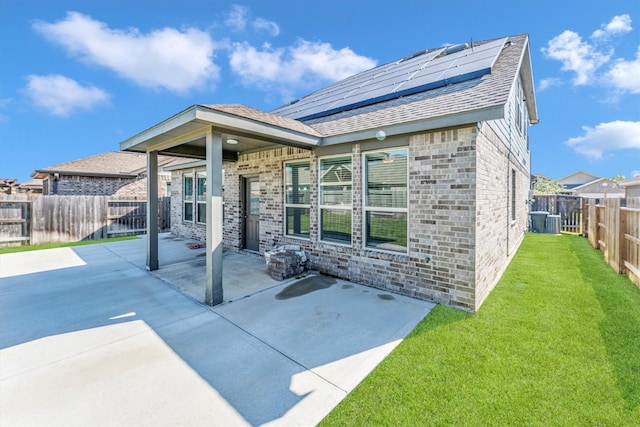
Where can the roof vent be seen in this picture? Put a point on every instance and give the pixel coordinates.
(455, 48)
(413, 55)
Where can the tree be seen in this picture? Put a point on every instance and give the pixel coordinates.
(545, 185)
(618, 178)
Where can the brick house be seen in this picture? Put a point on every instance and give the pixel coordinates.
(112, 173)
(587, 185)
(32, 187)
(631, 188)
(412, 177)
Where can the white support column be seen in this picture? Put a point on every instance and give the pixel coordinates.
(213, 293)
(152, 210)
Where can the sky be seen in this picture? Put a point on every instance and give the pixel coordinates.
(77, 77)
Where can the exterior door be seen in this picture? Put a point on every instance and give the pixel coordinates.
(252, 214)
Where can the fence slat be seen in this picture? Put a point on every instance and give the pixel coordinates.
(57, 219)
(615, 229)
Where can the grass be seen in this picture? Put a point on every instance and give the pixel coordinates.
(557, 343)
(12, 249)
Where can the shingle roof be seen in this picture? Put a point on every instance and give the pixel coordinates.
(112, 163)
(487, 91)
(31, 183)
(264, 117)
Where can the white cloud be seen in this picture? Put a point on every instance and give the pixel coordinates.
(166, 58)
(4, 102)
(269, 26)
(625, 75)
(549, 82)
(575, 55)
(591, 61)
(635, 173)
(237, 18)
(63, 96)
(606, 137)
(618, 25)
(300, 66)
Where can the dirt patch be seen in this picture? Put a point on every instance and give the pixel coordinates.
(386, 297)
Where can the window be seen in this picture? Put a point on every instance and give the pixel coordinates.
(297, 199)
(335, 199)
(513, 195)
(201, 191)
(187, 197)
(385, 204)
(168, 192)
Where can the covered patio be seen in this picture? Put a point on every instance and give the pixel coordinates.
(214, 133)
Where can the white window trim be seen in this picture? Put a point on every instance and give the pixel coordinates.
(198, 203)
(333, 207)
(193, 173)
(184, 200)
(366, 209)
(291, 205)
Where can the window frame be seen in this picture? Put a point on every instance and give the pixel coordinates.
(200, 204)
(322, 206)
(366, 209)
(186, 201)
(295, 205)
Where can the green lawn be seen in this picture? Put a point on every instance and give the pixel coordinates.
(557, 343)
(12, 249)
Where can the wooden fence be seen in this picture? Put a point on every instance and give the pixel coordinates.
(55, 219)
(568, 207)
(614, 228)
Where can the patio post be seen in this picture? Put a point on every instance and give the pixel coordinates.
(152, 210)
(213, 292)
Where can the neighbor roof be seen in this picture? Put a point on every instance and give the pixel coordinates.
(109, 164)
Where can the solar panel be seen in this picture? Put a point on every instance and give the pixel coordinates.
(417, 73)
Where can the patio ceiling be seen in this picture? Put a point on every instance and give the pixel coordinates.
(185, 133)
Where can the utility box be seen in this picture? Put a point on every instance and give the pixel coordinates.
(538, 221)
(552, 224)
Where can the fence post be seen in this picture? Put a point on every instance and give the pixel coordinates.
(584, 217)
(622, 241)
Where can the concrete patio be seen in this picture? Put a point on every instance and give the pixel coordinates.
(90, 337)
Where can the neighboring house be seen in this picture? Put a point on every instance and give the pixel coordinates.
(631, 187)
(587, 185)
(8, 186)
(599, 188)
(33, 187)
(412, 177)
(106, 174)
(576, 179)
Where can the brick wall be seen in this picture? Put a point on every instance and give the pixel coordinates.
(188, 229)
(440, 263)
(73, 185)
(458, 217)
(498, 235)
(268, 166)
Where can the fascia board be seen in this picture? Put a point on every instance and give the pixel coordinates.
(231, 123)
(492, 113)
(140, 141)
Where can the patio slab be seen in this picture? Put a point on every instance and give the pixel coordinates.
(101, 341)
